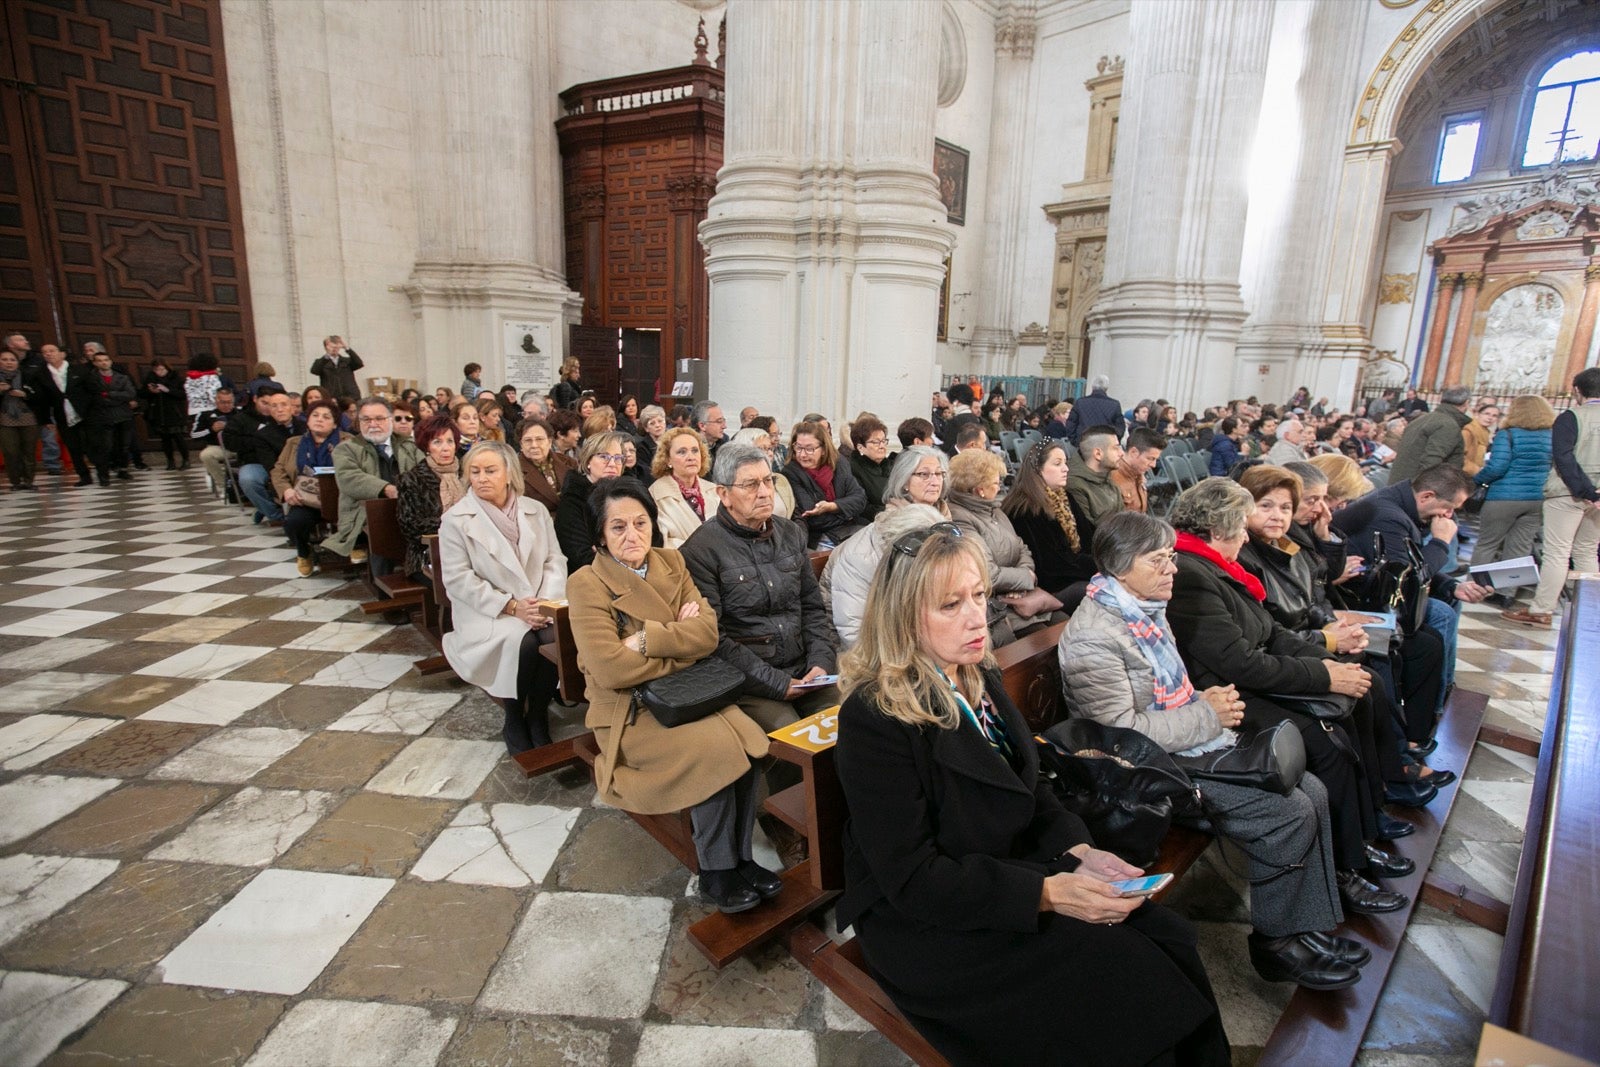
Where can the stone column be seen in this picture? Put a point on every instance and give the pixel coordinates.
(1471, 282)
(488, 185)
(1583, 336)
(1436, 330)
(994, 339)
(1169, 312)
(825, 241)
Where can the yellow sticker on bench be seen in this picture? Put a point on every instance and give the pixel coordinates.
(812, 733)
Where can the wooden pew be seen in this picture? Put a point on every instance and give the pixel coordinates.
(1549, 966)
(395, 590)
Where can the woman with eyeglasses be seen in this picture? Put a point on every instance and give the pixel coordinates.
(869, 461)
(1120, 667)
(980, 903)
(828, 500)
(599, 457)
(684, 497)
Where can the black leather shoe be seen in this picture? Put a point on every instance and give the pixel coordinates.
(1393, 829)
(1381, 864)
(727, 891)
(1409, 794)
(1340, 948)
(1364, 898)
(1290, 959)
(1423, 749)
(760, 879)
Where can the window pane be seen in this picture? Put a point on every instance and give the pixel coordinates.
(1583, 134)
(1575, 68)
(1460, 148)
(1549, 115)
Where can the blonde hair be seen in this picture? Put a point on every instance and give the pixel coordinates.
(1528, 413)
(663, 460)
(972, 468)
(887, 662)
(1345, 480)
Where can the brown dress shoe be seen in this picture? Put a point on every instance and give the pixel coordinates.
(1527, 618)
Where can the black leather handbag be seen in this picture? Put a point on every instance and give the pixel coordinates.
(1274, 760)
(1123, 785)
(690, 694)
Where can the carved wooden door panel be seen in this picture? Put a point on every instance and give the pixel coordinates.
(118, 180)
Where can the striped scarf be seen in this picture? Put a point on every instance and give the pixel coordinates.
(1146, 622)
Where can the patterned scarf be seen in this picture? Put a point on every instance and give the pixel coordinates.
(1191, 545)
(1146, 621)
(1063, 514)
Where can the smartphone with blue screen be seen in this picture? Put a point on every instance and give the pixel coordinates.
(1142, 887)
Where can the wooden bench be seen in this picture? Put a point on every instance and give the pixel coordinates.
(1545, 989)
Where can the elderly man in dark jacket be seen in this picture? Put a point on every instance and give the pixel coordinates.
(1096, 409)
(1434, 438)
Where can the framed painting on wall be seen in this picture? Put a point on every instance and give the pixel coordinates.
(950, 169)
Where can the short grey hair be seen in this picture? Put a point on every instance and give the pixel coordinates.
(1310, 474)
(507, 455)
(1120, 540)
(1214, 509)
(1457, 396)
(908, 461)
(1100, 382)
(731, 457)
(375, 401)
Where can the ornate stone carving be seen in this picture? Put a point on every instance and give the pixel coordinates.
(1478, 211)
(1397, 288)
(1109, 65)
(1543, 224)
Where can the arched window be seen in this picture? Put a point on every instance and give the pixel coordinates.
(1565, 124)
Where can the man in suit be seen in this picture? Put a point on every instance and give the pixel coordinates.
(336, 369)
(366, 466)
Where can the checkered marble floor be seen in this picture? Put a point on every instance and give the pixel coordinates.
(238, 827)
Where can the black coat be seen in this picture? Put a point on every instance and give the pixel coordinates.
(1055, 563)
(946, 852)
(847, 493)
(164, 413)
(574, 531)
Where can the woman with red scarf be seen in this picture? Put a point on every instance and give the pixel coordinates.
(1227, 637)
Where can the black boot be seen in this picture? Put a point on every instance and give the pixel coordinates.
(515, 731)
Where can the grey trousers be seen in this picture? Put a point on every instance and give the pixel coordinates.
(724, 824)
(1276, 832)
(1506, 529)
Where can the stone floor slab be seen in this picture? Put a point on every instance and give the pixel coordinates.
(506, 845)
(128, 922)
(435, 767)
(132, 750)
(32, 888)
(425, 944)
(350, 1032)
(127, 821)
(277, 934)
(34, 801)
(38, 1011)
(250, 829)
(234, 754)
(551, 968)
(175, 1026)
(723, 1046)
(371, 834)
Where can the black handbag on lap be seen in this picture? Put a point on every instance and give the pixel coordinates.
(690, 694)
(1123, 785)
(1274, 759)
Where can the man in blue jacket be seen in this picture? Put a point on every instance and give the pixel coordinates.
(1225, 446)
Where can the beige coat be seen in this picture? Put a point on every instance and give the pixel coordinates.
(645, 767)
(481, 572)
(676, 518)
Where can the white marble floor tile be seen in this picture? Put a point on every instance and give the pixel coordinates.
(355, 1032)
(39, 1011)
(53, 653)
(234, 754)
(315, 611)
(168, 551)
(34, 801)
(277, 934)
(550, 967)
(1509, 800)
(396, 711)
(216, 702)
(33, 888)
(189, 605)
(184, 583)
(68, 596)
(59, 559)
(181, 565)
(31, 741)
(48, 688)
(205, 661)
(250, 829)
(723, 1046)
(1469, 956)
(56, 623)
(439, 767)
(339, 637)
(508, 844)
(362, 670)
(70, 576)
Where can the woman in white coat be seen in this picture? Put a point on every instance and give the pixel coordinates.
(500, 558)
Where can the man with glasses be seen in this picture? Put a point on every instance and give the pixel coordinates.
(711, 422)
(366, 466)
(869, 461)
